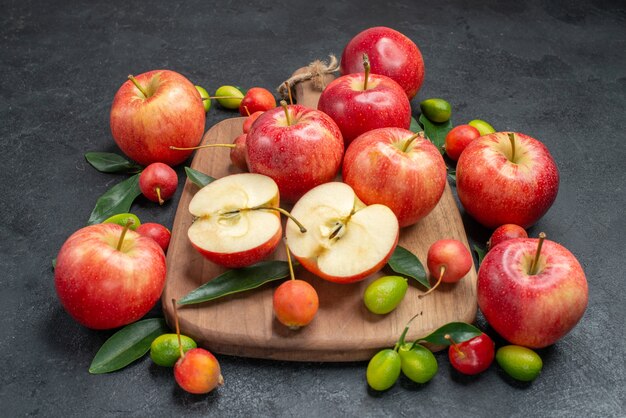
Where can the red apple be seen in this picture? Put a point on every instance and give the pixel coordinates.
(396, 168)
(531, 303)
(298, 147)
(157, 232)
(458, 139)
(506, 177)
(256, 99)
(359, 107)
(346, 240)
(506, 232)
(104, 287)
(167, 111)
(391, 54)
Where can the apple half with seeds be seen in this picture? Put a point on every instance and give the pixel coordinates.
(237, 220)
(346, 240)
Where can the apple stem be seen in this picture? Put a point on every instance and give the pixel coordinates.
(442, 271)
(247, 111)
(129, 223)
(180, 343)
(289, 90)
(291, 274)
(366, 66)
(410, 141)
(284, 106)
(139, 86)
(280, 210)
(458, 350)
(535, 265)
(203, 146)
(512, 139)
(158, 193)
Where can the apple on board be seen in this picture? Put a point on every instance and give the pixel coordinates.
(397, 168)
(506, 178)
(296, 146)
(154, 111)
(346, 240)
(361, 102)
(391, 54)
(531, 291)
(108, 276)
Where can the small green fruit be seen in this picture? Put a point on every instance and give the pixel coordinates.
(519, 362)
(436, 110)
(205, 95)
(122, 219)
(483, 127)
(383, 369)
(164, 349)
(383, 295)
(229, 91)
(418, 364)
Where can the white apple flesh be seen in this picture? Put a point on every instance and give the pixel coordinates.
(346, 240)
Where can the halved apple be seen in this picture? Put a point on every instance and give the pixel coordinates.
(237, 220)
(346, 240)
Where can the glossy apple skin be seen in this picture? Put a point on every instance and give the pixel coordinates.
(532, 311)
(473, 356)
(198, 371)
(357, 111)
(295, 303)
(257, 99)
(451, 254)
(297, 157)
(496, 191)
(409, 183)
(390, 53)
(506, 232)
(103, 288)
(458, 139)
(238, 154)
(247, 124)
(144, 129)
(157, 232)
(158, 175)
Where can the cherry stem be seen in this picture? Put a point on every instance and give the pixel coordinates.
(139, 86)
(458, 350)
(180, 343)
(289, 90)
(222, 97)
(284, 106)
(442, 271)
(535, 265)
(158, 193)
(120, 242)
(512, 140)
(406, 329)
(247, 111)
(366, 66)
(410, 141)
(203, 146)
(291, 274)
(280, 210)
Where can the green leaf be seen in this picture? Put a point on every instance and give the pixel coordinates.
(458, 331)
(415, 126)
(117, 199)
(108, 162)
(452, 173)
(480, 252)
(127, 345)
(54, 263)
(436, 132)
(242, 90)
(237, 280)
(198, 178)
(404, 262)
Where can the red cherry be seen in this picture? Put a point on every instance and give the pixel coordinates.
(158, 182)
(505, 232)
(472, 356)
(157, 232)
(459, 138)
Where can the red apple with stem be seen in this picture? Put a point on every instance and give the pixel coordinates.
(298, 147)
(449, 261)
(505, 232)
(531, 291)
(391, 54)
(362, 102)
(397, 168)
(473, 356)
(458, 139)
(157, 232)
(256, 99)
(506, 177)
(154, 110)
(158, 182)
(108, 276)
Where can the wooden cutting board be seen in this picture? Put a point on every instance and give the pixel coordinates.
(343, 330)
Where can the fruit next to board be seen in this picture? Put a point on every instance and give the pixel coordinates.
(397, 168)
(448, 261)
(531, 291)
(108, 276)
(237, 220)
(418, 363)
(506, 177)
(384, 369)
(473, 356)
(298, 147)
(519, 362)
(362, 101)
(256, 99)
(204, 95)
(391, 54)
(157, 232)
(505, 232)
(458, 139)
(158, 182)
(165, 349)
(229, 97)
(346, 240)
(154, 110)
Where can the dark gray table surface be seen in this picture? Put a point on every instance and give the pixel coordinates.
(554, 70)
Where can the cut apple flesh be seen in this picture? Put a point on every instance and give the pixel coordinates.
(345, 240)
(226, 219)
